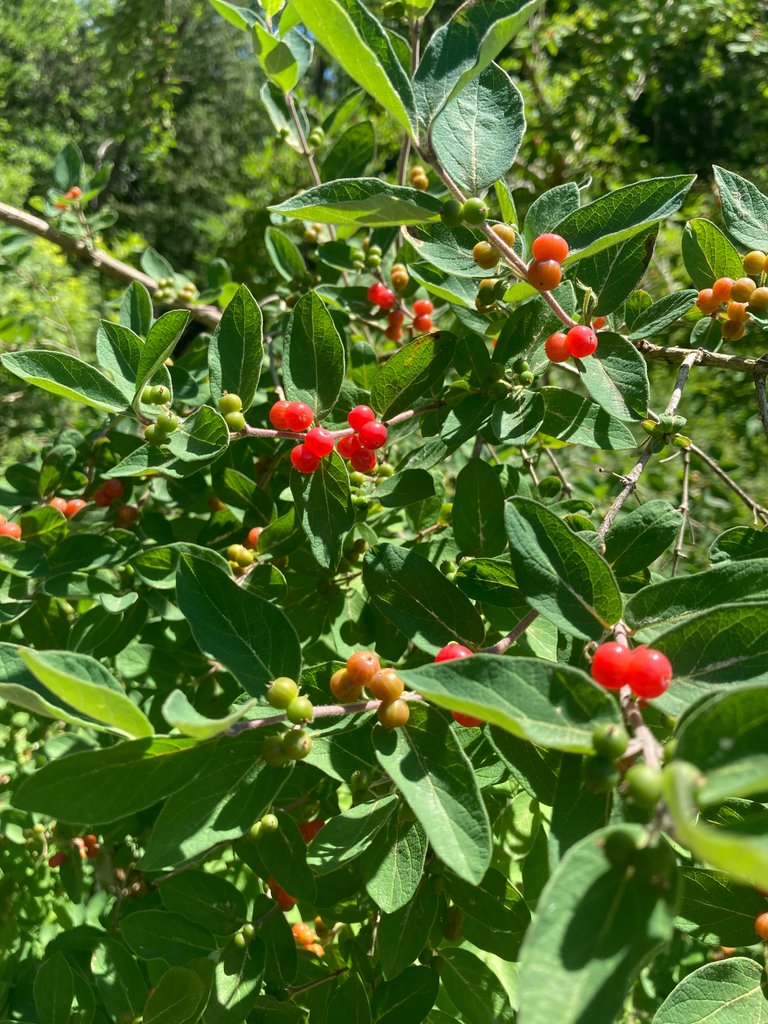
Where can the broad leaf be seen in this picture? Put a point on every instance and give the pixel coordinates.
(708, 254)
(641, 536)
(62, 374)
(324, 504)
(580, 421)
(54, 990)
(180, 714)
(313, 356)
(365, 202)
(616, 377)
(159, 935)
(136, 309)
(478, 510)
(662, 314)
(613, 273)
(405, 933)
(411, 373)
(474, 988)
(745, 209)
(351, 153)
(729, 992)
(205, 899)
(160, 343)
(235, 351)
(177, 998)
(397, 874)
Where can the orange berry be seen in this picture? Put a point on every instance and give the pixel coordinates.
(759, 299)
(386, 685)
(721, 289)
(344, 688)
(733, 331)
(315, 948)
(706, 301)
(393, 333)
(505, 232)
(737, 311)
(761, 925)
(362, 666)
(742, 289)
(394, 715)
(754, 263)
(544, 275)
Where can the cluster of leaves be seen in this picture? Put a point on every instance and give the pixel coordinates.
(140, 661)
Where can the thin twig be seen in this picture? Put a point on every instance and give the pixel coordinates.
(306, 151)
(514, 635)
(320, 711)
(528, 463)
(684, 509)
(567, 488)
(651, 748)
(758, 511)
(762, 402)
(295, 989)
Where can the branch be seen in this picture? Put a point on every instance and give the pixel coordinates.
(506, 642)
(753, 367)
(321, 711)
(757, 510)
(762, 403)
(97, 258)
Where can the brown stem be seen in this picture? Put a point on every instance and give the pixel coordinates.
(684, 509)
(506, 642)
(757, 510)
(753, 367)
(650, 746)
(295, 989)
(762, 402)
(321, 711)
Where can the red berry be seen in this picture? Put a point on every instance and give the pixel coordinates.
(386, 298)
(599, 323)
(581, 341)
(59, 503)
(90, 840)
(73, 507)
(423, 307)
(706, 301)
(469, 721)
(319, 441)
(277, 415)
(252, 540)
(113, 489)
(397, 318)
(452, 651)
(347, 446)
(101, 499)
(544, 275)
(375, 291)
(303, 459)
(611, 665)
(360, 415)
(556, 348)
(650, 672)
(363, 460)
(721, 289)
(393, 333)
(550, 247)
(10, 530)
(74, 193)
(373, 435)
(309, 829)
(422, 324)
(761, 925)
(280, 896)
(298, 416)
(92, 852)
(127, 515)
(57, 859)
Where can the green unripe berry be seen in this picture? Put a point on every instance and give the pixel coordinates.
(599, 774)
(610, 741)
(269, 822)
(374, 250)
(235, 421)
(167, 422)
(147, 395)
(649, 426)
(656, 864)
(374, 262)
(273, 752)
(474, 211)
(526, 377)
(240, 940)
(297, 744)
(360, 779)
(248, 931)
(282, 691)
(255, 830)
(159, 395)
(500, 288)
(299, 710)
(154, 435)
(452, 213)
(520, 366)
(681, 441)
(230, 403)
(644, 784)
(619, 848)
(356, 478)
(385, 469)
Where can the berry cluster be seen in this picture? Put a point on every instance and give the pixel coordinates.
(312, 234)
(363, 671)
(399, 277)
(231, 408)
(742, 297)
(419, 178)
(316, 137)
(454, 212)
(294, 744)
(68, 508)
(87, 847)
(645, 671)
(241, 556)
(306, 937)
(579, 342)
(10, 529)
(167, 291)
(449, 653)
(167, 422)
(488, 294)
(381, 296)
(360, 447)
(74, 195)
(421, 321)
(109, 492)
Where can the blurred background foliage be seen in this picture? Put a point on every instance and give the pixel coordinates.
(168, 94)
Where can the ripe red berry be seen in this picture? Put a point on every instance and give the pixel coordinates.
(298, 416)
(468, 721)
(75, 192)
(650, 672)
(387, 298)
(360, 415)
(92, 852)
(252, 540)
(706, 301)
(423, 307)
(721, 289)
(100, 499)
(10, 530)
(127, 515)
(344, 688)
(73, 507)
(397, 317)
(581, 341)
(347, 446)
(309, 829)
(761, 925)
(599, 323)
(374, 292)
(59, 503)
(362, 666)
(277, 415)
(90, 840)
(452, 651)
(550, 247)
(363, 460)
(280, 896)
(544, 275)
(393, 333)
(556, 347)
(303, 460)
(373, 435)
(113, 489)
(422, 324)
(611, 665)
(319, 441)
(57, 859)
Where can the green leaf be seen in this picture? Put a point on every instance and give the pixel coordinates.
(365, 202)
(716, 648)
(580, 421)
(286, 257)
(251, 637)
(745, 209)
(205, 899)
(398, 873)
(350, 1002)
(478, 133)
(351, 153)
(405, 488)
(596, 927)
(98, 786)
(157, 566)
(474, 988)
(717, 911)
(313, 356)
(488, 581)
(412, 373)
(119, 979)
(161, 341)
(621, 214)
(236, 351)
(518, 418)
(177, 998)
(406, 999)
(729, 992)
(236, 984)
(181, 715)
(276, 58)
(708, 254)
(136, 309)
(496, 914)
(402, 935)
(478, 510)
(739, 543)
(413, 594)
(662, 314)
(324, 503)
(552, 705)
(202, 437)
(155, 265)
(548, 210)
(434, 775)
(118, 350)
(88, 695)
(159, 935)
(449, 250)
(235, 488)
(616, 377)
(352, 834)
(641, 536)
(360, 44)
(240, 17)
(558, 573)
(54, 990)
(460, 50)
(62, 374)
(68, 169)
(613, 273)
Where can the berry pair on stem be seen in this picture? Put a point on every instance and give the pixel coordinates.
(449, 653)
(363, 671)
(360, 447)
(645, 671)
(544, 270)
(579, 342)
(109, 492)
(422, 320)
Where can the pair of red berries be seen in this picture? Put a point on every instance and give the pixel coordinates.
(361, 446)
(318, 442)
(450, 653)
(294, 416)
(381, 296)
(108, 493)
(9, 529)
(645, 671)
(579, 342)
(422, 320)
(544, 270)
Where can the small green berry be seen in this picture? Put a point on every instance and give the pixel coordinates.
(526, 378)
(452, 213)
(273, 752)
(167, 422)
(255, 830)
(610, 741)
(299, 710)
(154, 435)
(474, 211)
(619, 848)
(297, 744)
(644, 784)
(230, 403)
(248, 931)
(159, 395)
(281, 692)
(269, 822)
(235, 421)
(146, 395)
(599, 774)
(240, 940)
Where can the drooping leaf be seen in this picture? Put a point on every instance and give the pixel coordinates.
(745, 209)
(236, 350)
(62, 374)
